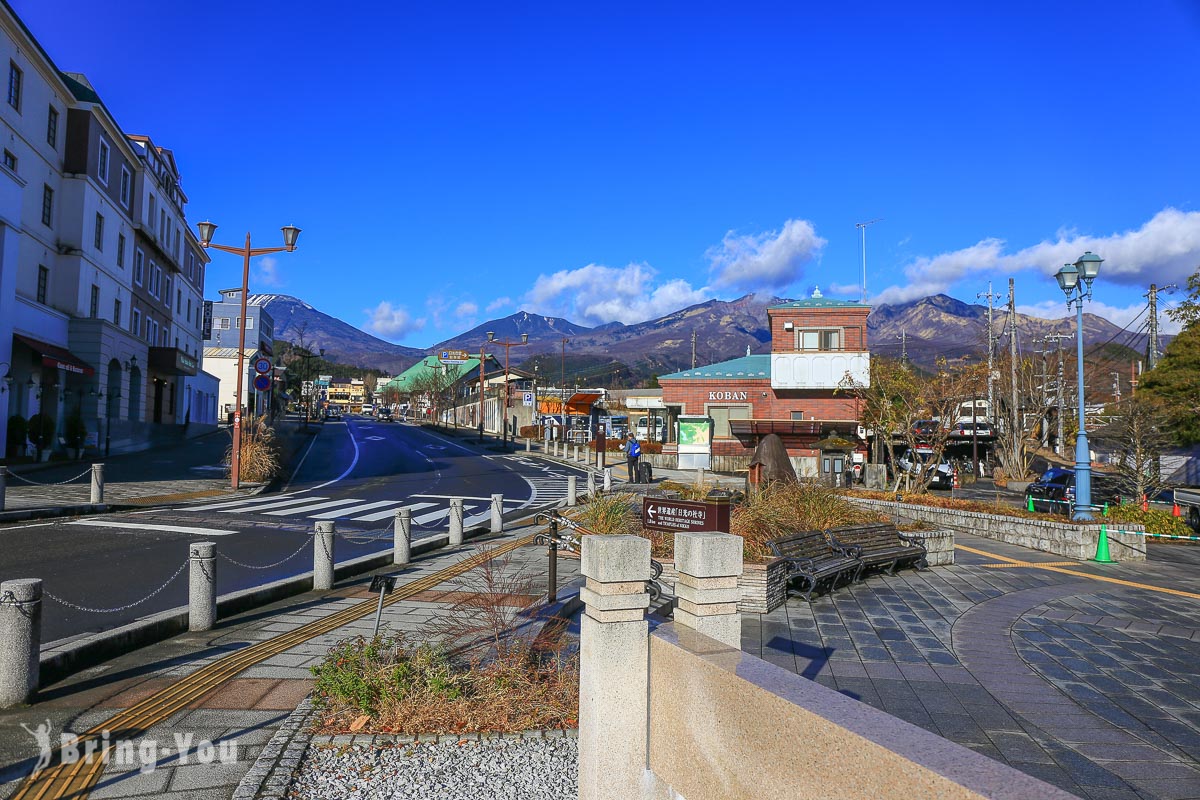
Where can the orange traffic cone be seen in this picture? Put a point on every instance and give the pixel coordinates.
(1175, 512)
(1145, 504)
(956, 486)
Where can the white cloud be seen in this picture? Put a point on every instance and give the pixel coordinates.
(766, 262)
(596, 294)
(266, 272)
(1165, 249)
(1132, 316)
(466, 310)
(499, 303)
(391, 321)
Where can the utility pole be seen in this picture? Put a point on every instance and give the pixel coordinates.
(991, 346)
(1017, 431)
(693, 349)
(1117, 387)
(903, 347)
(1045, 376)
(862, 226)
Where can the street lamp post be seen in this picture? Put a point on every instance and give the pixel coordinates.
(1076, 282)
(491, 337)
(290, 234)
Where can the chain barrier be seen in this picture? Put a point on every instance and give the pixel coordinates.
(32, 482)
(263, 566)
(125, 607)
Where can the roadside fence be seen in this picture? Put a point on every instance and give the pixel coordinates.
(96, 471)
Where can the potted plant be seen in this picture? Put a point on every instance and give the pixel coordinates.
(17, 431)
(41, 434)
(76, 434)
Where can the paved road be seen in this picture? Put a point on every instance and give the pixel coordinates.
(357, 472)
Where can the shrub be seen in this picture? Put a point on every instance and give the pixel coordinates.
(260, 451)
(41, 431)
(786, 507)
(75, 432)
(18, 430)
(1156, 521)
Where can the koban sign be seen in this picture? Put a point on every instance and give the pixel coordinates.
(727, 395)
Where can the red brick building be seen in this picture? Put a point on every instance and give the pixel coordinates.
(817, 345)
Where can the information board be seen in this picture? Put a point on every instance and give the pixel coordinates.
(661, 514)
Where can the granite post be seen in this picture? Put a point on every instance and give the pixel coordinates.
(402, 536)
(572, 490)
(323, 555)
(613, 667)
(709, 565)
(20, 640)
(607, 479)
(202, 586)
(497, 521)
(456, 522)
(97, 484)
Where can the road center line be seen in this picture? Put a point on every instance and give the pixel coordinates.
(98, 523)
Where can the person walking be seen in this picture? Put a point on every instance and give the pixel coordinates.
(633, 452)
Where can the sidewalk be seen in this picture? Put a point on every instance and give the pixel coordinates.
(189, 470)
(238, 683)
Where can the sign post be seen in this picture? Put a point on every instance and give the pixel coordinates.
(453, 356)
(687, 516)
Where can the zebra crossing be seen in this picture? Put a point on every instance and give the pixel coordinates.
(425, 512)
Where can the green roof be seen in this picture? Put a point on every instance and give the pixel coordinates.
(430, 363)
(745, 367)
(821, 302)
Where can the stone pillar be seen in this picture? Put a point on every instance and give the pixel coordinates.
(20, 640)
(3, 485)
(456, 522)
(709, 565)
(591, 484)
(575, 453)
(97, 484)
(497, 521)
(613, 667)
(572, 491)
(323, 556)
(402, 537)
(202, 586)
(607, 479)
(528, 444)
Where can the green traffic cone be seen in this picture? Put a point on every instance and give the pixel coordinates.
(1029, 504)
(1106, 508)
(1102, 546)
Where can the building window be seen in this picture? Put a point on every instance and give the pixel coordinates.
(162, 228)
(222, 323)
(10, 160)
(121, 250)
(139, 259)
(179, 301)
(721, 416)
(177, 245)
(117, 312)
(151, 331)
(52, 127)
(94, 311)
(189, 314)
(135, 322)
(15, 77)
(153, 206)
(47, 205)
(125, 178)
(99, 232)
(819, 340)
(155, 281)
(166, 296)
(43, 284)
(102, 163)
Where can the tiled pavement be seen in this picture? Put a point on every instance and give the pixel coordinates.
(1088, 685)
(249, 708)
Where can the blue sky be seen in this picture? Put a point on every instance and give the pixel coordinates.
(453, 162)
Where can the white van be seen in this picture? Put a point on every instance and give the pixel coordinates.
(642, 429)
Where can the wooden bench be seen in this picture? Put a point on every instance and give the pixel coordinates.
(813, 561)
(879, 544)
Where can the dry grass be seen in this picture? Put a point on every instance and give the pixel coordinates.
(260, 452)
(789, 507)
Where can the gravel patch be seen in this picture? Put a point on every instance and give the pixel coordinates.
(504, 769)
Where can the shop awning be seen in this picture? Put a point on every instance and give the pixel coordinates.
(172, 361)
(804, 432)
(55, 356)
(582, 402)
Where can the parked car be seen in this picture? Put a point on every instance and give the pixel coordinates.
(967, 430)
(917, 463)
(384, 414)
(1054, 492)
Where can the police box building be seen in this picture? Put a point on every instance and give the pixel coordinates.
(718, 413)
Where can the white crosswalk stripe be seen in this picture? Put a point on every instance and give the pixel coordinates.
(391, 512)
(238, 503)
(352, 510)
(303, 510)
(130, 526)
(295, 501)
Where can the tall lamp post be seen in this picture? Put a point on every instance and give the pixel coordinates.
(1076, 282)
(290, 234)
(506, 345)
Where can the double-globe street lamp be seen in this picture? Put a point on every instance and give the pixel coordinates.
(1076, 282)
(491, 337)
(290, 234)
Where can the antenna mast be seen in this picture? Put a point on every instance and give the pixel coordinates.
(862, 226)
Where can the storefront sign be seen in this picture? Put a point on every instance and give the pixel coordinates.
(685, 515)
(727, 396)
(206, 327)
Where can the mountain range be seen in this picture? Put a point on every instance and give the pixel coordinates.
(924, 330)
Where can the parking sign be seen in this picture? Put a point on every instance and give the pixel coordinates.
(528, 398)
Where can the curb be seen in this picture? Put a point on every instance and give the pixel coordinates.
(22, 514)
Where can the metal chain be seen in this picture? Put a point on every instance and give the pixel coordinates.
(264, 566)
(51, 483)
(77, 607)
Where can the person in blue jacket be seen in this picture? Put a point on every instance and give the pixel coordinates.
(633, 452)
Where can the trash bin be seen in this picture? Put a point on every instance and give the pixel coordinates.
(645, 472)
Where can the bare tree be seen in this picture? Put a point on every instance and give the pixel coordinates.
(1139, 435)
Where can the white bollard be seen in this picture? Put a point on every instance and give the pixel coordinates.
(202, 586)
(20, 640)
(572, 491)
(575, 453)
(613, 667)
(98, 484)
(456, 522)
(402, 537)
(323, 556)
(591, 484)
(608, 479)
(497, 513)
(528, 444)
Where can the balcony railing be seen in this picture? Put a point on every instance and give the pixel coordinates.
(820, 369)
